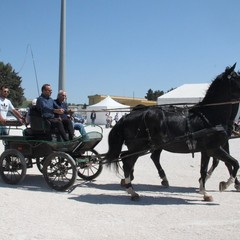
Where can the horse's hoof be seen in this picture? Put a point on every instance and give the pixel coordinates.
(208, 198)
(237, 187)
(122, 183)
(165, 183)
(135, 197)
(222, 186)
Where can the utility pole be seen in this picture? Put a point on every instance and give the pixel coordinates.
(62, 53)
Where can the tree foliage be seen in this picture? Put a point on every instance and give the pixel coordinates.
(10, 78)
(152, 96)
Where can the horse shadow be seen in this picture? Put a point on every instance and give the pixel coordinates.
(174, 195)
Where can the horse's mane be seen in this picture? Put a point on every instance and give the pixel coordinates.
(212, 88)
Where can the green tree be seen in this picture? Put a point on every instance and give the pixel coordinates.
(10, 78)
(152, 96)
(157, 94)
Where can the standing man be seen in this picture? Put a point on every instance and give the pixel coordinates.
(5, 106)
(49, 108)
(93, 117)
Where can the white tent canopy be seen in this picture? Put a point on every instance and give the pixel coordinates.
(187, 93)
(105, 106)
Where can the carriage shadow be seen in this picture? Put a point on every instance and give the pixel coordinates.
(162, 196)
(30, 183)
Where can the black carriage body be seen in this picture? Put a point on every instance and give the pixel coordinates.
(31, 148)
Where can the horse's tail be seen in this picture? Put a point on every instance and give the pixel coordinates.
(115, 142)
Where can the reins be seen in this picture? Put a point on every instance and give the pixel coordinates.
(149, 138)
(119, 159)
(195, 105)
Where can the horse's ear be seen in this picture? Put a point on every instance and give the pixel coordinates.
(229, 70)
(233, 66)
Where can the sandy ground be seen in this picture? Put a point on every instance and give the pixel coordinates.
(102, 210)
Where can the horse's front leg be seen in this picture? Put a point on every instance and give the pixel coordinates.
(203, 171)
(155, 156)
(128, 166)
(229, 160)
(215, 163)
(230, 168)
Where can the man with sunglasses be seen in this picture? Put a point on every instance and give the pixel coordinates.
(5, 106)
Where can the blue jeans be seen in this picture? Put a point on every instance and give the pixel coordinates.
(80, 128)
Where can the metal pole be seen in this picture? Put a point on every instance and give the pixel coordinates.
(62, 54)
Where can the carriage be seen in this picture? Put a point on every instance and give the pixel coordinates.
(59, 162)
(203, 128)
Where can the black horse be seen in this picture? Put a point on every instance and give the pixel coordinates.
(202, 128)
(155, 155)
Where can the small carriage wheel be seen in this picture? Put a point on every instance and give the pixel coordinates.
(59, 171)
(89, 165)
(13, 166)
(40, 162)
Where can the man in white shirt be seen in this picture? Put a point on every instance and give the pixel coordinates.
(5, 106)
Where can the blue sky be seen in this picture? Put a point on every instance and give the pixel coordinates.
(120, 47)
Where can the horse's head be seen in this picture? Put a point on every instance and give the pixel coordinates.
(234, 83)
(217, 104)
(225, 87)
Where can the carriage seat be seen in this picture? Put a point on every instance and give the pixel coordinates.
(39, 127)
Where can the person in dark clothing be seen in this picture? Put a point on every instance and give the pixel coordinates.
(66, 120)
(93, 117)
(49, 108)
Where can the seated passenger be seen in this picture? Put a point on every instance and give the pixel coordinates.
(67, 116)
(49, 110)
(80, 127)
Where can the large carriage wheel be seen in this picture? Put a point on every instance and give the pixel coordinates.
(59, 171)
(89, 165)
(13, 166)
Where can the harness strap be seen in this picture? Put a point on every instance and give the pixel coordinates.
(191, 142)
(147, 129)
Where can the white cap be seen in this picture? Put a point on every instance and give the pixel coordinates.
(34, 102)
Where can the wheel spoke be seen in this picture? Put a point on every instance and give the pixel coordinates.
(59, 171)
(12, 166)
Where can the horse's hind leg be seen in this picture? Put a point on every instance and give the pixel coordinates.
(122, 183)
(128, 166)
(155, 156)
